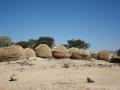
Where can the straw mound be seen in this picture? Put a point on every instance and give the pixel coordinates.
(60, 52)
(104, 55)
(79, 53)
(43, 51)
(29, 53)
(13, 52)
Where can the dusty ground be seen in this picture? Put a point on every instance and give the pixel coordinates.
(46, 74)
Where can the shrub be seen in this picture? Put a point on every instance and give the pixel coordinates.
(46, 40)
(5, 41)
(118, 52)
(32, 43)
(23, 44)
(78, 44)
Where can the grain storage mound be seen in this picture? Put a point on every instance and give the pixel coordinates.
(29, 53)
(60, 52)
(43, 51)
(104, 55)
(79, 53)
(13, 52)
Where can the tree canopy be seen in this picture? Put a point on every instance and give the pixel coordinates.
(24, 44)
(78, 44)
(50, 41)
(5, 41)
(118, 52)
(46, 40)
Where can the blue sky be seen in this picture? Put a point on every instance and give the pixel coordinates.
(95, 21)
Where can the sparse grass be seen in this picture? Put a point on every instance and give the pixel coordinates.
(25, 63)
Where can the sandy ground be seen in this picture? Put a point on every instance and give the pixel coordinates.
(51, 74)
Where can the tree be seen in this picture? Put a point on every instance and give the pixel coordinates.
(78, 44)
(24, 44)
(32, 43)
(118, 52)
(46, 40)
(5, 41)
(65, 45)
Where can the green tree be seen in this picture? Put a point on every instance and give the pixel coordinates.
(65, 45)
(5, 41)
(46, 40)
(78, 44)
(24, 44)
(32, 43)
(118, 52)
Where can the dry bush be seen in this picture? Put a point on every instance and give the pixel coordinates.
(29, 53)
(104, 55)
(79, 53)
(13, 52)
(60, 52)
(43, 51)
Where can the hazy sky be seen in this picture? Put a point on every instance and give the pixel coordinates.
(95, 21)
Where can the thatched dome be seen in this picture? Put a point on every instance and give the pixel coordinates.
(13, 52)
(75, 53)
(43, 51)
(79, 53)
(104, 55)
(60, 52)
(29, 53)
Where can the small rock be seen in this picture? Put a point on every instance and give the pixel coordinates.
(13, 78)
(66, 66)
(90, 80)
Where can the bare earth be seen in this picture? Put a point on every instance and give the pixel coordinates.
(51, 74)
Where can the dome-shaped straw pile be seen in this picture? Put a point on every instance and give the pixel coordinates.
(13, 52)
(60, 52)
(29, 53)
(104, 55)
(79, 53)
(43, 51)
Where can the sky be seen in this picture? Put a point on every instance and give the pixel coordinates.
(94, 21)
